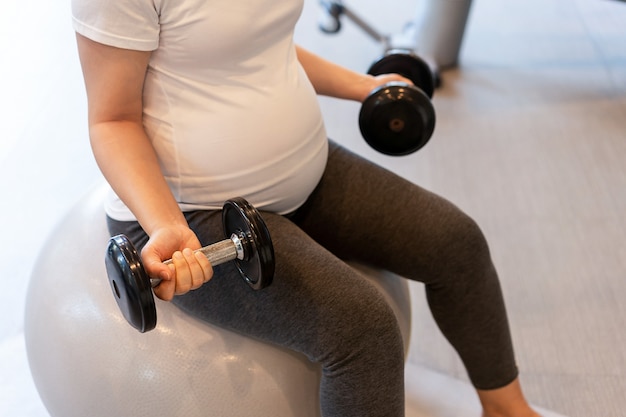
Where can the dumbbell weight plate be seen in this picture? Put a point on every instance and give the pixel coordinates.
(242, 219)
(130, 284)
(397, 119)
(408, 65)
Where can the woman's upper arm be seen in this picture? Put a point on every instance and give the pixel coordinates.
(114, 79)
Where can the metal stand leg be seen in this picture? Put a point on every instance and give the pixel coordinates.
(439, 30)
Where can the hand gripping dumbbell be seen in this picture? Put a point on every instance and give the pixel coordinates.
(248, 243)
(398, 118)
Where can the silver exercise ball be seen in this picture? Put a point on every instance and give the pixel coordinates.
(86, 360)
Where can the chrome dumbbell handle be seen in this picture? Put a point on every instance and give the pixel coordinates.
(217, 253)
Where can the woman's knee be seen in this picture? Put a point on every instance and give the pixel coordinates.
(432, 241)
(460, 255)
(465, 242)
(362, 325)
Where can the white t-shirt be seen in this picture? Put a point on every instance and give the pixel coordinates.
(228, 107)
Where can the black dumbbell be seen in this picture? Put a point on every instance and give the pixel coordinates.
(399, 118)
(248, 243)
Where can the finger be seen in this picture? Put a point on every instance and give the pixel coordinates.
(166, 288)
(195, 270)
(154, 267)
(183, 274)
(408, 81)
(386, 78)
(206, 266)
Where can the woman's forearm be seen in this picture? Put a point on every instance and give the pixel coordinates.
(128, 162)
(330, 79)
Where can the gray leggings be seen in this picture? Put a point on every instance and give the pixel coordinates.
(320, 306)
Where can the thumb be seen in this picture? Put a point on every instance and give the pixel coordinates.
(155, 268)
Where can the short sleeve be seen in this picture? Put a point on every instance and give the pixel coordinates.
(127, 24)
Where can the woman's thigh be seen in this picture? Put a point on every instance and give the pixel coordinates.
(315, 303)
(364, 212)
